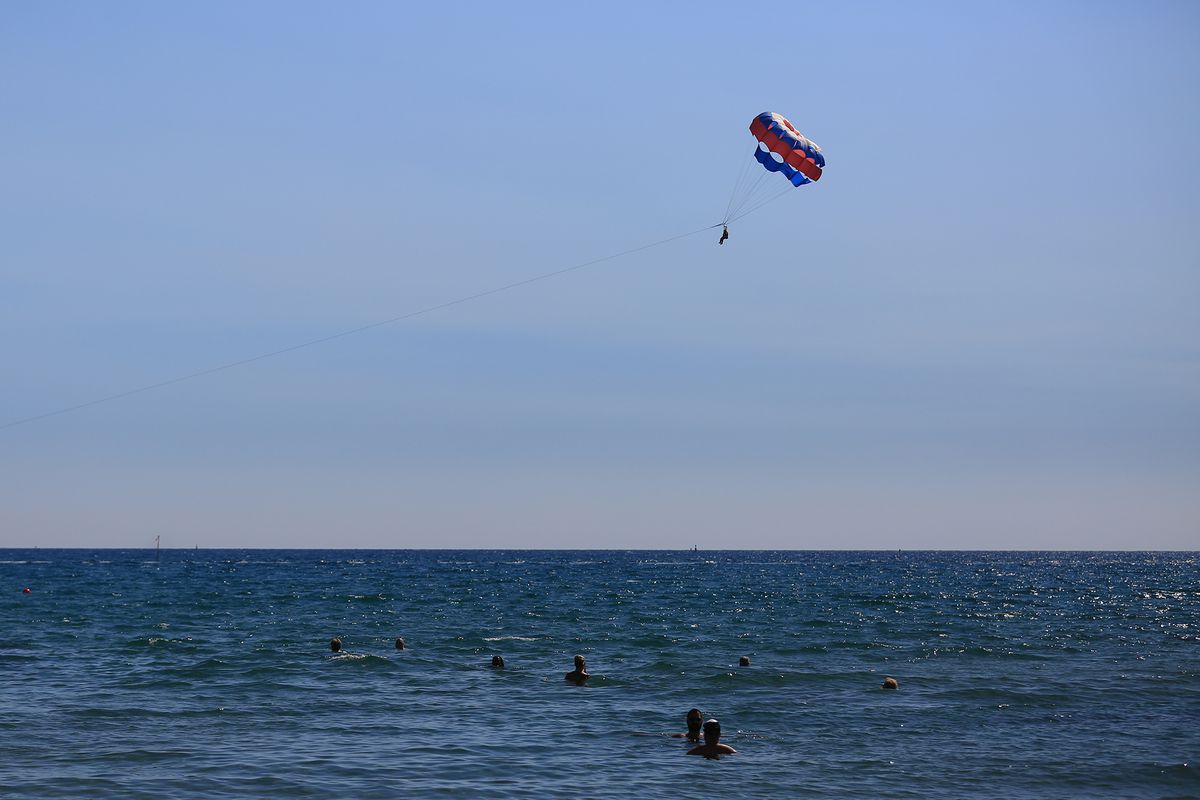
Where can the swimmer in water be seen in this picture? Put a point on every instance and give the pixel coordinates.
(399, 644)
(335, 645)
(579, 675)
(694, 721)
(498, 662)
(890, 683)
(744, 661)
(712, 747)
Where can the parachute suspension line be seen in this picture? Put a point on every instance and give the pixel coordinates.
(755, 188)
(759, 205)
(329, 338)
(732, 193)
(752, 194)
(735, 195)
(752, 179)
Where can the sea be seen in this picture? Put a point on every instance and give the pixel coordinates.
(209, 674)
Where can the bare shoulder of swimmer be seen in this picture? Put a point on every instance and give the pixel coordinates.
(711, 750)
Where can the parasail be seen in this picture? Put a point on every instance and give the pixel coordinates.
(779, 148)
(799, 159)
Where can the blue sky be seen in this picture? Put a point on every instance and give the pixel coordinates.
(979, 330)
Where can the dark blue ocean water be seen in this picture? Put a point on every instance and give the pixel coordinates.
(208, 674)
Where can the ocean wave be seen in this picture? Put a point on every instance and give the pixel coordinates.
(161, 641)
(362, 659)
(124, 712)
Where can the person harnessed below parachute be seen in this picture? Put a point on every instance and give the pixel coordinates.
(724, 234)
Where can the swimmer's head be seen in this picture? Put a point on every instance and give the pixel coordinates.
(399, 644)
(579, 662)
(694, 720)
(497, 661)
(890, 683)
(335, 645)
(712, 730)
(744, 661)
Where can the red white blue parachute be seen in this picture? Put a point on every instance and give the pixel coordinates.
(799, 159)
(779, 148)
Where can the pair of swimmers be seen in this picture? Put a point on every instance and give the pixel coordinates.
(712, 747)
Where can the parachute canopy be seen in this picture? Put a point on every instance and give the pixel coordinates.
(779, 148)
(799, 160)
